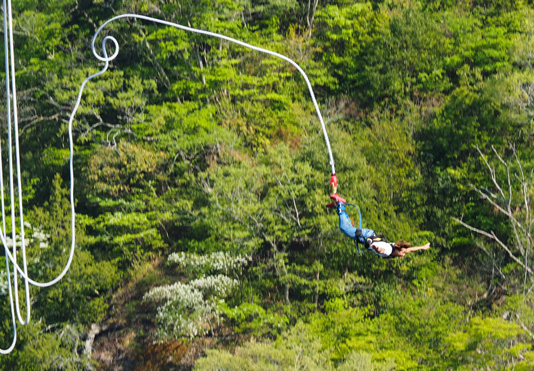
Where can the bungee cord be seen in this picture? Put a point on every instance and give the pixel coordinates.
(12, 103)
(10, 72)
(223, 37)
(19, 181)
(8, 106)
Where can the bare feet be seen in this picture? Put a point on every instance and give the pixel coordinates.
(426, 247)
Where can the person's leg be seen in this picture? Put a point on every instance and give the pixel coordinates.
(345, 224)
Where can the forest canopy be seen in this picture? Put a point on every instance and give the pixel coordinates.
(202, 175)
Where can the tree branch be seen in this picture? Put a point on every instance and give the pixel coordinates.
(524, 327)
(492, 172)
(496, 239)
(507, 212)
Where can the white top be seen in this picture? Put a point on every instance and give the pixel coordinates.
(388, 249)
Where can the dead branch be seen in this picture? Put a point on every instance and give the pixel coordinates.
(496, 239)
(524, 327)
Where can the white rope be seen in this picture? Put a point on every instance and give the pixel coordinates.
(11, 257)
(227, 38)
(19, 182)
(73, 214)
(11, 99)
(6, 55)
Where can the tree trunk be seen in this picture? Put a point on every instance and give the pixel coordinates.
(311, 15)
(93, 331)
(316, 300)
(286, 295)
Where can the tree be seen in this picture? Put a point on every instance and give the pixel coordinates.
(81, 295)
(510, 196)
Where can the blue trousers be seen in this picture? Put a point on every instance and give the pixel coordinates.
(345, 225)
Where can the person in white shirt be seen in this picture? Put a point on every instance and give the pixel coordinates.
(368, 238)
(395, 250)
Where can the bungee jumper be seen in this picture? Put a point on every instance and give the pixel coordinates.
(367, 237)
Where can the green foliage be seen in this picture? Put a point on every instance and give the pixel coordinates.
(389, 145)
(252, 319)
(193, 309)
(390, 56)
(479, 49)
(347, 29)
(296, 349)
(264, 201)
(81, 295)
(38, 348)
(486, 342)
(412, 333)
(196, 148)
(129, 169)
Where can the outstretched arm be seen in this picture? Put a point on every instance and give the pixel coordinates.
(416, 248)
(406, 250)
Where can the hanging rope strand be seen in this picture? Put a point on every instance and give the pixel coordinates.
(19, 180)
(3, 236)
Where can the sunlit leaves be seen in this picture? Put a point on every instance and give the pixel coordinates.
(129, 169)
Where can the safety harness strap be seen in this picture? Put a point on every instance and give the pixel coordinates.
(359, 228)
